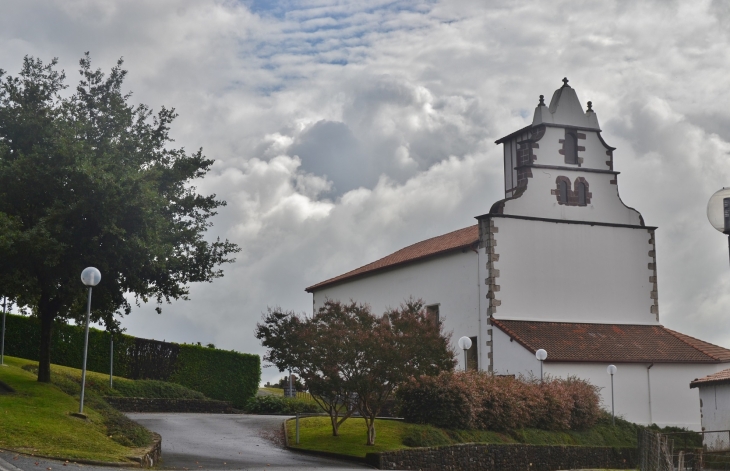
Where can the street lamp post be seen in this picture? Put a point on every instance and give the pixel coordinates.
(718, 212)
(541, 355)
(89, 277)
(111, 361)
(612, 371)
(465, 344)
(2, 338)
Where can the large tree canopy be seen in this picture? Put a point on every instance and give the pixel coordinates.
(88, 179)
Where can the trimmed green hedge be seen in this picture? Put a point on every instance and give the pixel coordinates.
(219, 374)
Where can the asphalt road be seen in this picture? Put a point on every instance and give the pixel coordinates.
(198, 442)
(222, 441)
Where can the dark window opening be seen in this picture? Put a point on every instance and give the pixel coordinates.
(472, 362)
(432, 313)
(571, 149)
(563, 192)
(581, 194)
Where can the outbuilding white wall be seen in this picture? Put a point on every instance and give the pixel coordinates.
(573, 272)
(715, 409)
(450, 281)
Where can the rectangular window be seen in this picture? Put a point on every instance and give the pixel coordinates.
(432, 313)
(472, 355)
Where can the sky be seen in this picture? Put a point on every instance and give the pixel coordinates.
(345, 130)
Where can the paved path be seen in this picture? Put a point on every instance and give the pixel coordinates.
(228, 441)
(198, 442)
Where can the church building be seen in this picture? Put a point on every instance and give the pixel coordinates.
(562, 264)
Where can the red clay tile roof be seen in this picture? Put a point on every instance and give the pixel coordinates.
(723, 354)
(715, 378)
(621, 343)
(460, 239)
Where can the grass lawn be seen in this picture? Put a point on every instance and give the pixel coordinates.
(35, 420)
(315, 433)
(274, 391)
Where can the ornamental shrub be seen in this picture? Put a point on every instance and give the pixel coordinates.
(441, 401)
(586, 404)
(502, 403)
(279, 405)
(478, 400)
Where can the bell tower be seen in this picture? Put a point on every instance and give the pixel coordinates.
(562, 246)
(559, 167)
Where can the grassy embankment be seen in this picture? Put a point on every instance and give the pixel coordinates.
(315, 433)
(36, 418)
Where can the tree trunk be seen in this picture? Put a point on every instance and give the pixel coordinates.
(335, 425)
(370, 422)
(47, 315)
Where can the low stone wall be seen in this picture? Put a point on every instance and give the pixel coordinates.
(486, 457)
(151, 455)
(141, 404)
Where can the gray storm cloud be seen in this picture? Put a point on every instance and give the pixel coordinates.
(343, 131)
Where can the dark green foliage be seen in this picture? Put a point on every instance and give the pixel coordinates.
(219, 374)
(279, 405)
(602, 434)
(437, 401)
(425, 437)
(89, 179)
(150, 388)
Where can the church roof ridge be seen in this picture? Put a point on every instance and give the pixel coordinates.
(455, 240)
(620, 343)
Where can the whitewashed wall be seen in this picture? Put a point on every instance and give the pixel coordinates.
(715, 408)
(573, 272)
(511, 358)
(672, 401)
(450, 281)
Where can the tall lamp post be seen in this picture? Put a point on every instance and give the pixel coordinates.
(718, 212)
(541, 355)
(89, 277)
(2, 339)
(465, 344)
(612, 371)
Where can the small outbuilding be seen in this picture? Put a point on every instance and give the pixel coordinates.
(715, 409)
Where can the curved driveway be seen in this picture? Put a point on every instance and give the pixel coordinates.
(223, 441)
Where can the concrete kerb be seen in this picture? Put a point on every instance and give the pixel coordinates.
(323, 454)
(147, 459)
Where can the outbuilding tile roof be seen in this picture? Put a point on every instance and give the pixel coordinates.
(715, 378)
(461, 239)
(620, 343)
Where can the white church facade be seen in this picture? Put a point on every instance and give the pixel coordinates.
(561, 263)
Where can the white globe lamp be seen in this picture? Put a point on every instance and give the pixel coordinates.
(718, 211)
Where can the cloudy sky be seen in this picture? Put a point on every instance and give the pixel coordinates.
(345, 130)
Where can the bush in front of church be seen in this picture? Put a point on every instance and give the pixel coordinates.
(477, 400)
(436, 400)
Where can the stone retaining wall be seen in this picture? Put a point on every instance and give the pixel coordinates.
(152, 454)
(490, 457)
(140, 404)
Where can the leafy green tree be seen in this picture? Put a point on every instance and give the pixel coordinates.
(88, 179)
(351, 359)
